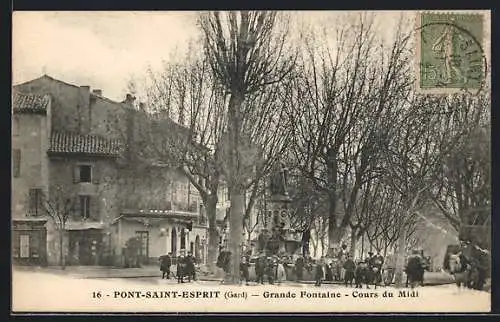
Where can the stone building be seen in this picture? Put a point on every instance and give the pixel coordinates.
(71, 139)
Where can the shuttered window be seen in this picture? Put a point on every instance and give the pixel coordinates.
(82, 173)
(85, 173)
(35, 201)
(16, 160)
(24, 246)
(85, 207)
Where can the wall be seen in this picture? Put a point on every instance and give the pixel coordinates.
(159, 243)
(103, 187)
(107, 118)
(75, 109)
(66, 109)
(103, 205)
(155, 188)
(30, 136)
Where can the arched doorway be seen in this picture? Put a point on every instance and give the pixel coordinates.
(197, 253)
(183, 239)
(173, 242)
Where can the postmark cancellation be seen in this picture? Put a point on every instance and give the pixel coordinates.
(451, 49)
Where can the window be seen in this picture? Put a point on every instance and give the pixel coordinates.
(183, 239)
(143, 237)
(24, 246)
(15, 126)
(16, 156)
(85, 173)
(35, 201)
(85, 207)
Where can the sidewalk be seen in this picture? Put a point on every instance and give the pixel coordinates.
(107, 272)
(151, 271)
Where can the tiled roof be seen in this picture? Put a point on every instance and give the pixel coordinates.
(65, 142)
(30, 103)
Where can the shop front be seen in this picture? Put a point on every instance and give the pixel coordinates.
(86, 244)
(29, 241)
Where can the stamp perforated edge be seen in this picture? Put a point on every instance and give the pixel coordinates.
(486, 44)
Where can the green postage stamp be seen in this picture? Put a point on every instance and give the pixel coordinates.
(451, 54)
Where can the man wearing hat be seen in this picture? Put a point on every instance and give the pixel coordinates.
(190, 268)
(181, 268)
(271, 269)
(349, 267)
(244, 271)
(260, 268)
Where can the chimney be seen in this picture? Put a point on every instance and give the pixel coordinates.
(129, 99)
(83, 122)
(97, 92)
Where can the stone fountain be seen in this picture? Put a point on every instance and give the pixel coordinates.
(277, 237)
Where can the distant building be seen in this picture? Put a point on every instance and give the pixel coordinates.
(71, 137)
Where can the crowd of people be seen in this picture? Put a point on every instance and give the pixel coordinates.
(186, 267)
(343, 268)
(468, 264)
(373, 270)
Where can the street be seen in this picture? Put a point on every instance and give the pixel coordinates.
(430, 279)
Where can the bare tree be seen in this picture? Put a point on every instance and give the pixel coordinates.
(246, 53)
(343, 99)
(59, 207)
(185, 92)
(420, 142)
(464, 196)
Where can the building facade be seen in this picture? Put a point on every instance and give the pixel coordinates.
(72, 145)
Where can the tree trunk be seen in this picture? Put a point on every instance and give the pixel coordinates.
(323, 244)
(400, 258)
(62, 261)
(362, 245)
(236, 234)
(314, 242)
(354, 239)
(213, 235)
(333, 227)
(236, 184)
(334, 238)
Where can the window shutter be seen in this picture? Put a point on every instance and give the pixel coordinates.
(96, 175)
(78, 208)
(32, 201)
(76, 173)
(94, 208)
(17, 163)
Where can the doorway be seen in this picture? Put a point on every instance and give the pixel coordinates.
(197, 253)
(173, 242)
(143, 237)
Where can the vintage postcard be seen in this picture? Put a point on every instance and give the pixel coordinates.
(251, 162)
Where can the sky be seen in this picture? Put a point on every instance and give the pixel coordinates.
(100, 49)
(105, 50)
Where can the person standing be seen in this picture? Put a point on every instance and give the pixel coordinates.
(165, 263)
(181, 268)
(244, 271)
(349, 267)
(190, 267)
(260, 268)
(280, 272)
(319, 274)
(271, 270)
(299, 267)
